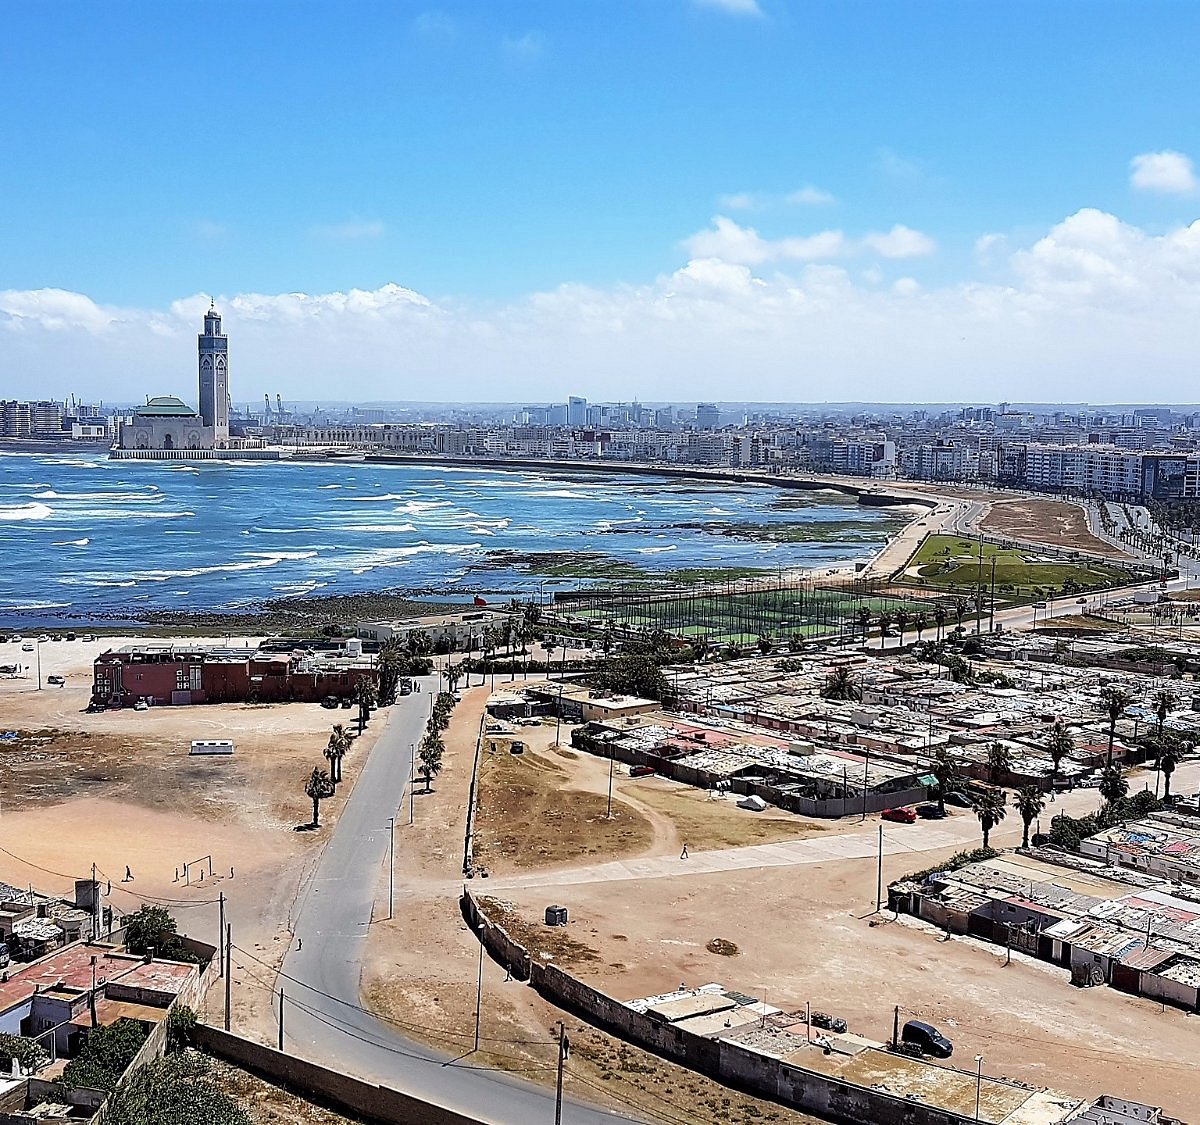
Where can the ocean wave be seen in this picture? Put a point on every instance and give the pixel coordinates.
(151, 496)
(656, 550)
(72, 543)
(385, 498)
(399, 556)
(322, 487)
(95, 514)
(715, 511)
(378, 528)
(13, 607)
(481, 529)
(562, 494)
(26, 512)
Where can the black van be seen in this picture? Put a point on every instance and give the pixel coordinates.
(928, 1038)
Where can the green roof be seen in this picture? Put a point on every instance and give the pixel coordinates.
(165, 406)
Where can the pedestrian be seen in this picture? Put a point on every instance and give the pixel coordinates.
(231, 872)
(299, 944)
(128, 874)
(684, 854)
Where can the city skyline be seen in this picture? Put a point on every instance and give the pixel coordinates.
(666, 200)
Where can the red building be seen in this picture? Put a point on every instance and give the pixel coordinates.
(181, 674)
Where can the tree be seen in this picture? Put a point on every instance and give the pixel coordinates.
(885, 623)
(1059, 744)
(631, 674)
(1113, 785)
(1169, 754)
(990, 811)
(533, 615)
(366, 697)
(1164, 701)
(174, 1090)
(30, 1055)
(318, 786)
(939, 618)
(392, 664)
(945, 771)
(153, 927)
(840, 685)
(765, 644)
(999, 761)
(961, 605)
(335, 751)
(920, 623)
(1030, 802)
(105, 1056)
(902, 619)
(419, 643)
(864, 619)
(1113, 701)
(430, 757)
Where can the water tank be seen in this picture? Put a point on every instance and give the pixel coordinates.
(354, 648)
(556, 915)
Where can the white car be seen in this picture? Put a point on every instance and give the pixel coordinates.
(141, 705)
(27, 647)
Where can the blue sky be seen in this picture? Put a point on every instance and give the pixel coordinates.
(541, 173)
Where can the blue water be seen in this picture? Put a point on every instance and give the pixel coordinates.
(84, 536)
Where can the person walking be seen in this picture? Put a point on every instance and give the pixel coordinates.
(684, 854)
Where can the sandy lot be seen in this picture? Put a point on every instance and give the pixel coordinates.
(1058, 523)
(119, 789)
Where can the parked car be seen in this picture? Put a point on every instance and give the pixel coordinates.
(94, 708)
(70, 636)
(959, 800)
(828, 1022)
(930, 811)
(1092, 782)
(27, 647)
(900, 816)
(57, 681)
(928, 1038)
(641, 771)
(330, 703)
(141, 705)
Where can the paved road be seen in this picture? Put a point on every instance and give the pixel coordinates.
(331, 923)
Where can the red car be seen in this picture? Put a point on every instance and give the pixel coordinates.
(900, 816)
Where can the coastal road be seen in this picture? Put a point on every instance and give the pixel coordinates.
(322, 1021)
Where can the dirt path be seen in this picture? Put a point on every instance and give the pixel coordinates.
(1055, 523)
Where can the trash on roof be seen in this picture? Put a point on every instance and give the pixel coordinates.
(753, 803)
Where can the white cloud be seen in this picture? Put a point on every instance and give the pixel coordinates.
(730, 242)
(809, 196)
(1170, 173)
(733, 7)
(1095, 309)
(349, 231)
(900, 242)
(524, 48)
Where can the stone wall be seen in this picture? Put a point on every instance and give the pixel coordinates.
(339, 1092)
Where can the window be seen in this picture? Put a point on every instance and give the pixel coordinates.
(195, 681)
(181, 679)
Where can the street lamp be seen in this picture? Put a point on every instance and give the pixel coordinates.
(978, 1082)
(39, 662)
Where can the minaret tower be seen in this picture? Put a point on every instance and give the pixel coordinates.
(214, 376)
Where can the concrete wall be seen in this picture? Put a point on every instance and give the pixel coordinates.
(316, 1083)
(729, 1063)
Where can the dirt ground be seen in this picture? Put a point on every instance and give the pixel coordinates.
(422, 970)
(1057, 523)
(119, 789)
(266, 1104)
(804, 934)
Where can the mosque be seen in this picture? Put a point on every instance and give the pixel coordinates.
(168, 425)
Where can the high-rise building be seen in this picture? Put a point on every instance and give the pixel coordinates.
(708, 417)
(576, 411)
(213, 346)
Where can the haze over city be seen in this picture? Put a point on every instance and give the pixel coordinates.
(668, 199)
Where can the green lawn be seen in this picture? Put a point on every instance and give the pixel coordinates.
(951, 563)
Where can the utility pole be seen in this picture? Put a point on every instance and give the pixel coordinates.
(391, 861)
(879, 877)
(220, 931)
(896, 1027)
(228, 969)
(95, 905)
(479, 996)
(866, 782)
(612, 756)
(412, 780)
(992, 600)
(563, 1048)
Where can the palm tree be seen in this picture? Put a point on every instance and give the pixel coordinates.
(1169, 754)
(1114, 700)
(920, 622)
(840, 685)
(961, 605)
(1113, 786)
(453, 675)
(989, 808)
(999, 761)
(902, 620)
(945, 771)
(885, 623)
(864, 619)
(333, 755)
(430, 757)
(939, 618)
(318, 786)
(1164, 701)
(1059, 744)
(364, 692)
(1030, 802)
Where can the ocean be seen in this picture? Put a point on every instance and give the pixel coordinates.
(84, 537)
